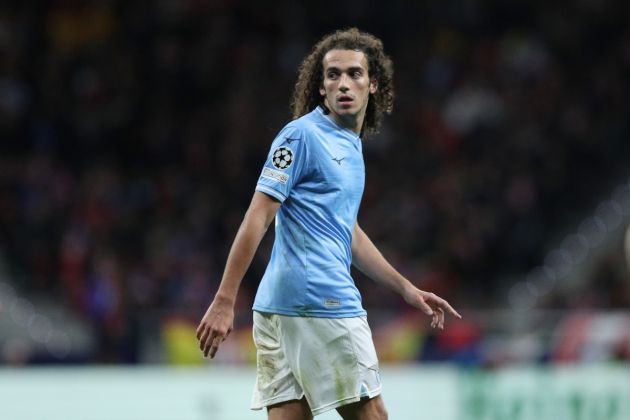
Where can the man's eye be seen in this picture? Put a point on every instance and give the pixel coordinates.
(332, 75)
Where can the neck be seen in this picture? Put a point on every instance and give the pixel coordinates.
(352, 122)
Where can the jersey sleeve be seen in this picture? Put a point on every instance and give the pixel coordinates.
(285, 164)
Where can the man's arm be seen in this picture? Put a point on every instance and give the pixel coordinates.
(369, 260)
(218, 321)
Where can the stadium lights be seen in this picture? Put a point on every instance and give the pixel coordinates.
(40, 329)
(560, 263)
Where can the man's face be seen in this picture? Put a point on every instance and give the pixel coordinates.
(347, 86)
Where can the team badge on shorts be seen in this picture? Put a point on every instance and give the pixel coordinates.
(282, 157)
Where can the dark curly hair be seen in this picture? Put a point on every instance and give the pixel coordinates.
(306, 95)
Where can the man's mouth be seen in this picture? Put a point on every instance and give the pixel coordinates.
(344, 99)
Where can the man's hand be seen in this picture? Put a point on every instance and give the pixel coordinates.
(215, 326)
(430, 304)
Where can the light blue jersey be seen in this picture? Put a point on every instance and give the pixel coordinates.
(315, 168)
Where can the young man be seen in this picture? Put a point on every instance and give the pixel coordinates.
(314, 346)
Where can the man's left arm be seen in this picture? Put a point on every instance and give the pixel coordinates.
(369, 260)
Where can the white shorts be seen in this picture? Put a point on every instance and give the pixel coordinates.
(330, 361)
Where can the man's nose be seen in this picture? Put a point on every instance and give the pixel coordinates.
(343, 83)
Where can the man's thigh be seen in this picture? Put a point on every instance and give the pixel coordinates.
(333, 360)
(290, 410)
(366, 409)
(330, 361)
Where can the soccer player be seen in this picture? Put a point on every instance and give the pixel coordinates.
(314, 346)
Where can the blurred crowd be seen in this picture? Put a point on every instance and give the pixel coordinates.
(132, 134)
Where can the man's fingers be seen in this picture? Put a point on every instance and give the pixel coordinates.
(202, 338)
(209, 344)
(215, 345)
(205, 344)
(451, 310)
(210, 341)
(444, 305)
(425, 307)
(440, 308)
(202, 328)
(440, 313)
(225, 336)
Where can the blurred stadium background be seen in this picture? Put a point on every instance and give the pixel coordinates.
(132, 134)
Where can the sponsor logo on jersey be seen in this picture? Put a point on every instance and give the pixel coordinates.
(282, 157)
(332, 303)
(274, 175)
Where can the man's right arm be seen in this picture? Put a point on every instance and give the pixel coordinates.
(218, 320)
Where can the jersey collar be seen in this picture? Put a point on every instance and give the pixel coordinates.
(332, 122)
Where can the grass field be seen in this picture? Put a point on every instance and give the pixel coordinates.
(411, 392)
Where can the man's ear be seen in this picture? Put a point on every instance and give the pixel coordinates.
(322, 91)
(373, 86)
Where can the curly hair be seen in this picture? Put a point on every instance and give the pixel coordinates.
(306, 95)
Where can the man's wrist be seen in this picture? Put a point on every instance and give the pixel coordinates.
(409, 289)
(223, 298)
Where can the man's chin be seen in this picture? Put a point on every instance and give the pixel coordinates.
(345, 111)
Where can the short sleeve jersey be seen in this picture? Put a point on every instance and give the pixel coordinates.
(315, 169)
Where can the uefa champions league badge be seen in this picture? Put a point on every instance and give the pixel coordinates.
(282, 158)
